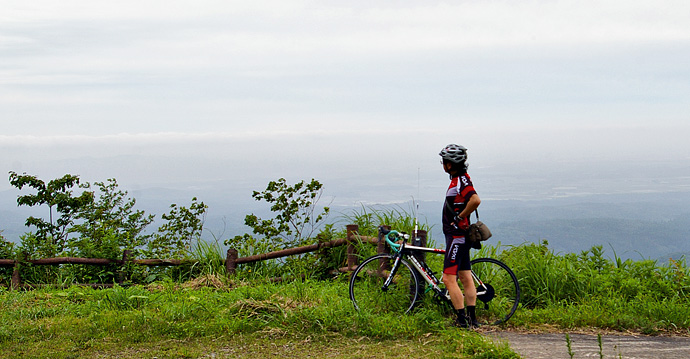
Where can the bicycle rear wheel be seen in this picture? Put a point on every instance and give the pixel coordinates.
(369, 291)
(498, 291)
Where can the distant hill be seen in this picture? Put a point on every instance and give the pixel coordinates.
(634, 239)
(637, 225)
(654, 226)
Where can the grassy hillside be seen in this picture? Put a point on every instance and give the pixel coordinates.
(251, 314)
(210, 317)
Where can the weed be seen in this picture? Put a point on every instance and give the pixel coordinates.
(569, 343)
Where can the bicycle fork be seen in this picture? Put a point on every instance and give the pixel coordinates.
(394, 269)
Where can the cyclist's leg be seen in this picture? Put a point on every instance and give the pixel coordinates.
(451, 264)
(468, 287)
(456, 296)
(470, 290)
(456, 259)
(465, 274)
(457, 299)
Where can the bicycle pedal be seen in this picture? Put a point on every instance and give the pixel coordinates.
(443, 294)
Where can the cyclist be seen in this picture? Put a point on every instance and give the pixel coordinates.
(461, 200)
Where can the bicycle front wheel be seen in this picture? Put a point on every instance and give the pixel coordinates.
(377, 287)
(498, 291)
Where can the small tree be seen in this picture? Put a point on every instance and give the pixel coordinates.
(57, 194)
(296, 218)
(183, 225)
(295, 223)
(110, 224)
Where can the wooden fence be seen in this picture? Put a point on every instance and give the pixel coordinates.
(231, 260)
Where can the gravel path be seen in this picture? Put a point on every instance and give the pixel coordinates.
(538, 346)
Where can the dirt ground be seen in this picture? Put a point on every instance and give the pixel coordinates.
(554, 345)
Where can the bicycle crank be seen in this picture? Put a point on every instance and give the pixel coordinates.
(486, 294)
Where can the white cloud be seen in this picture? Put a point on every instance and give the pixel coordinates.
(101, 69)
(244, 33)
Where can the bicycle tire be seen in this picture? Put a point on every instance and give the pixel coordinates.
(503, 297)
(366, 286)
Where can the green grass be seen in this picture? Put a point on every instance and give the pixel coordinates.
(237, 320)
(271, 344)
(587, 290)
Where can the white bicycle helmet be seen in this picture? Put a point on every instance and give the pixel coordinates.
(454, 153)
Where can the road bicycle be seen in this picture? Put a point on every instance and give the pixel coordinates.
(397, 282)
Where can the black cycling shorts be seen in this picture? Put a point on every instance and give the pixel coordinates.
(457, 255)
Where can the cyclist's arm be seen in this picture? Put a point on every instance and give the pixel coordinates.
(472, 204)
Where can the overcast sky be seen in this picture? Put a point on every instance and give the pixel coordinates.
(169, 92)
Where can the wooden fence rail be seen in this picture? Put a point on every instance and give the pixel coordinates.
(231, 260)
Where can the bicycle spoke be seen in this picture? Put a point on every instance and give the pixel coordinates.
(367, 290)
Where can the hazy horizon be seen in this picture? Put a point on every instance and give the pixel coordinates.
(553, 99)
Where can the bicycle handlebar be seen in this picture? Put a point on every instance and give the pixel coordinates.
(391, 235)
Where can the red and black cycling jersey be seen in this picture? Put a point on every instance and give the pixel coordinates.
(459, 192)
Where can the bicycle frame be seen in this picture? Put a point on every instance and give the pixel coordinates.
(408, 251)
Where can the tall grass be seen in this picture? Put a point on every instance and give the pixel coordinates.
(210, 258)
(588, 290)
(368, 219)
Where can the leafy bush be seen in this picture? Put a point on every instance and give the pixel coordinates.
(183, 226)
(295, 221)
(296, 218)
(57, 194)
(110, 224)
(98, 222)
(6, 252)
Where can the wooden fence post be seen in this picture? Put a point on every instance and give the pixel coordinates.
(231, 261)
(352, 230)
(121, 273)
(16, 277)
(383, 247)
